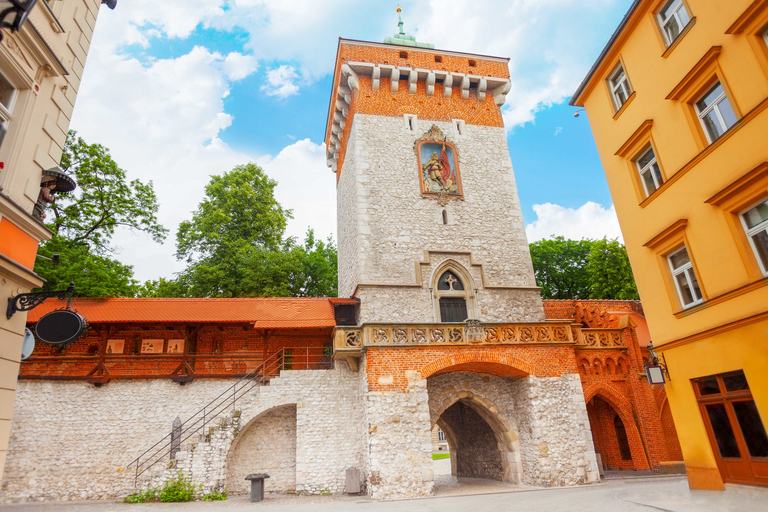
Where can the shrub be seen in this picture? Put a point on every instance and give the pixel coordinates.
(177, 489)
(142, 496)
(216, 496)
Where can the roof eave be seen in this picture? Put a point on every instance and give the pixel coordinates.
(575, 100)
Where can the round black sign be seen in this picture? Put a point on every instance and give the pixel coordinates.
(60, 327)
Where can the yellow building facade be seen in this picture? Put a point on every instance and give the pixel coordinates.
(678, 105)
(41, 64)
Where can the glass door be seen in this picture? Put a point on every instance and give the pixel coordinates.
(734, 426)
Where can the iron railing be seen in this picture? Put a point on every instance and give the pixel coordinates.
(294, 358)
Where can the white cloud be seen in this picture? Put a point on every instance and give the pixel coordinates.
(238, 66)
(281, 82)
(588, 221)
(306, 186)
(547, 42)
(162, 122)
(558, 130)
(538, 35)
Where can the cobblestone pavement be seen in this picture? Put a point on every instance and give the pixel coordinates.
(669, 494)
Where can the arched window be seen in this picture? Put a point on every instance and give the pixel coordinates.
(453, 305)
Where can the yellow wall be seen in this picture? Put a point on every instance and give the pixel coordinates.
(731, 282)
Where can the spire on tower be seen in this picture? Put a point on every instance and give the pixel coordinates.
(402, 38)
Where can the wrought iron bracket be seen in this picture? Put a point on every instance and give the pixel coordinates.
(660, 362)
(27, 301)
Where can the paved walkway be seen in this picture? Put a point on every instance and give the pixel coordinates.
(666, 494)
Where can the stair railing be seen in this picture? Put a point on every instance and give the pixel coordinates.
(284, 359)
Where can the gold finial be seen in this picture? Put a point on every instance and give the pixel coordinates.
(399, 10)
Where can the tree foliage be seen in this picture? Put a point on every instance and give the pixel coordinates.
(594, 269)
(94, 275)
(103, 201)
(234, 246)
(84, 222)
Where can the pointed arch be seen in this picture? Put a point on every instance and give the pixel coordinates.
(506, 438)
(614, 397)
(467, 293)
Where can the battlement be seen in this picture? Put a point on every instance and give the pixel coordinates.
(398, 80)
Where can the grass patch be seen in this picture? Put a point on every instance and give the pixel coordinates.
(438, 456)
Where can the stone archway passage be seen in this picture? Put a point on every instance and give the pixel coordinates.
(475, 447)
(267, 444)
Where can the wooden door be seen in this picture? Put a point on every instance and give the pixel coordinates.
(735, 429)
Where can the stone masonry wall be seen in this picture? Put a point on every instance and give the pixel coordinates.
(386, 224)
(71, 440)
(267, 446)
(400, 446)
(95, 432)
(555, 437)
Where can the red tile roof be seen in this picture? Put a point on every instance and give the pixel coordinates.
(264, 313)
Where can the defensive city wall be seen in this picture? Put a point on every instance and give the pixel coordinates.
(513, 407)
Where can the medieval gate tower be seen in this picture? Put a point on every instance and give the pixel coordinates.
(425, 186)
(450, 328)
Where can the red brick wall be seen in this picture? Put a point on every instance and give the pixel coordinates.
(220, 350)
(544, 361)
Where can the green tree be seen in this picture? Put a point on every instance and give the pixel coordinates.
(84, 221)
(610, 274)
(234, 246)
(560, 267)
(595, 269)
(239, 210)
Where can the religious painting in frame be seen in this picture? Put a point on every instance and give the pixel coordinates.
(152, 346)
(115, 346)
(176, 346)
(438, 165)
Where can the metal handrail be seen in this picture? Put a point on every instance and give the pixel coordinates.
(269, 368)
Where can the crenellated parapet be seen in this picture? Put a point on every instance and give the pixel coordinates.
(393, 80)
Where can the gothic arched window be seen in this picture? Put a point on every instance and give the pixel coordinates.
(453, 301)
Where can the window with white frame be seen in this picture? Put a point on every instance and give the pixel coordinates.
(715, 112)
(650, 174)
(755, 221)
(685, 279)
(673, 18)
(7, 99)
(620, 89)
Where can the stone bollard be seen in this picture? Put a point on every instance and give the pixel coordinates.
(257, 486)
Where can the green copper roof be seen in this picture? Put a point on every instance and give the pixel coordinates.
(403, 39)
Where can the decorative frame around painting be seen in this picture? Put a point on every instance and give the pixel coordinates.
(439, 174)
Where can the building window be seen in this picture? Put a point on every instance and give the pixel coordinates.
(7, 99)
(620, 89)
(755, 222)
(452, 297)
(715, 112)
(441, 435)
(673, 18)
(685, 279)
(650, 174)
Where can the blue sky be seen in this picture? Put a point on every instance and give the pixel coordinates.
(184, 89)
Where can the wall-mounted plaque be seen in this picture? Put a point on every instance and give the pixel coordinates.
(152, 346)
(115, 346)
(175, 346)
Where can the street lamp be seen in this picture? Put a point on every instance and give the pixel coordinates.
(13, 13)
(655, 369)
(576, 114)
